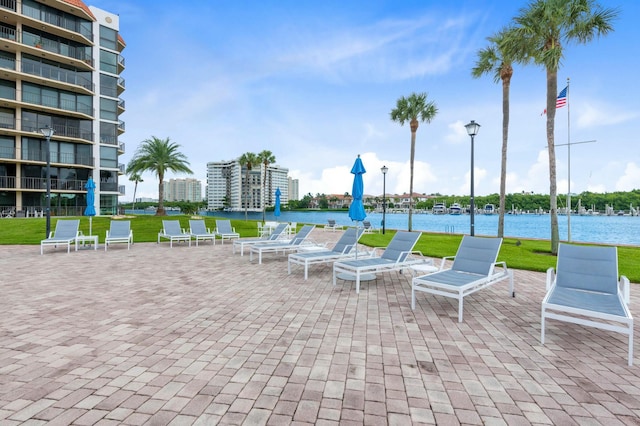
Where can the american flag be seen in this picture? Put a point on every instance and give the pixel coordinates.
(561, 100)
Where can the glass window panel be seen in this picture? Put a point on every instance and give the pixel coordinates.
(108, 62)
(108, 109)
(7, 147)
(108, 38)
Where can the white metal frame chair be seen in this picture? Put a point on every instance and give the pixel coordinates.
(199, 231)
(172, 231)
(119, 232)
(473, 269)
(585, 289)
(343, 249)
(225, 231)
(398, 255)
(277, 237)
(298, 240)
(66, 232)
(332, 226)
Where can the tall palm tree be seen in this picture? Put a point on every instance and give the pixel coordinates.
(266, 158)
(136, 178)
(497, 59)
(545, 28)
(413, 109)
(248, 160)
(158, 156)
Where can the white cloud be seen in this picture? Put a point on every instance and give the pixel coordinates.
(631, 178)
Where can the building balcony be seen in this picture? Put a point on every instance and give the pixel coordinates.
(121, 85)
(122, 169)
(120, 106)
(121, 149)
(121, 126)
(122, 190)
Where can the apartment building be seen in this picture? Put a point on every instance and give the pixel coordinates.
(188, 189)
(230, 187)
(61, 64)
(294, 189)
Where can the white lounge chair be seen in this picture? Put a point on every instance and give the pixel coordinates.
(332, 226)
(585, 289)
(292, 245)
(368, 227)
(199, 231)
(66, 232)
(343, 249)
(397, 256)
(119, 232)
(225, 231)
(474, 268)
(276, 237)
(171, 231)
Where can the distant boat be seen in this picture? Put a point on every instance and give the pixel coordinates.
(439, 208)
(455, 209)
(489, 209)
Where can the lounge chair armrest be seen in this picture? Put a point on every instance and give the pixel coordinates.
(625, 288)
(444, 260)
(551, 277)
(503, 265)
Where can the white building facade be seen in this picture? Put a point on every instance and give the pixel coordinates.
(230, 187)
(188, 189)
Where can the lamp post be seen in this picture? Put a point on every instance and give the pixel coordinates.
(472, 130)
(47, 132)
(384, 170)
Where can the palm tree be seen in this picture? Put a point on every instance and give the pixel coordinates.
(413, 109)
(134, 177)
(158, 156)
(544, 28)
(497, 59)
(266, 158)
(248, 160)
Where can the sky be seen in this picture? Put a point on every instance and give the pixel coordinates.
(315, 82)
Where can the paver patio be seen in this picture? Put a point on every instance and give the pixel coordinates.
(155, 335)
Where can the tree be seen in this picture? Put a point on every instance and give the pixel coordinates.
(543, 29)
(158, 156)
(497, 59)
(413, 109)
(247, 160)
(266, 158)
(136, 178)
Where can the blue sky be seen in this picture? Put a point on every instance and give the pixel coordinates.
(314, 83)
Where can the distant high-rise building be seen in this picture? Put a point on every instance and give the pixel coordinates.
(228, 188)
(61, 67)
(183, 190)
(293, 189)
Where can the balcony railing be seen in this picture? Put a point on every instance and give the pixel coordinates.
(8, 4)
(58, 21)
(122, 190)
(58, 158)
(53, 46)
(56, 184)
(62, 130)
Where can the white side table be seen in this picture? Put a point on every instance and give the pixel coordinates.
(91, 239)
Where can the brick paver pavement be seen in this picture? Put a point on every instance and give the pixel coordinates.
(198, 335)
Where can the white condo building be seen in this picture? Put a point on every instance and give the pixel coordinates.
(227, 189)
(188, 189)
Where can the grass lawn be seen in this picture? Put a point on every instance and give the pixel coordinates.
(525, 254)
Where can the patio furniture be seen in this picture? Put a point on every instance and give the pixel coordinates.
(199, 231)
(397, 256)
(332, 226)
(473, 269)
(343, 249)
(292, 245)
(66, 232)
(171, 231)
(276, 237)
(119, 232)
(585, 289)
(225, 231)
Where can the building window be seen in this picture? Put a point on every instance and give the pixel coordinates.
(7, 147)
(108, 38)
(108, 62)
(108, 157)
(108, 109)
(108, 133)
(108, 85)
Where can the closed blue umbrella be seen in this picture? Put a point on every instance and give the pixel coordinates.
(90, 210)
(356, 209)
(276, 210)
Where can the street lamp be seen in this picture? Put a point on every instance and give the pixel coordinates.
(384, 170)
(47, 132)
(472, 130)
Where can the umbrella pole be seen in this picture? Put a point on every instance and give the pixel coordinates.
(90, 225)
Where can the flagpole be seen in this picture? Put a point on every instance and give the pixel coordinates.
(569, 166)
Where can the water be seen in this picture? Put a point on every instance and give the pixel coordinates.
(595, 229)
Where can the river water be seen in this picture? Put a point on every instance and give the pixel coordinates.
(624, 230)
